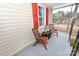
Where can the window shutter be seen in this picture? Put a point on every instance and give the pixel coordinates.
(46, 16)
(35, 15)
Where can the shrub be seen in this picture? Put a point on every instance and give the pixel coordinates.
(72, 42)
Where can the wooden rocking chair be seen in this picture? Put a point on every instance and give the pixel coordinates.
(53, 30)
(40, 38)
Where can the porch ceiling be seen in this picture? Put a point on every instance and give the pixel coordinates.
(57, 5)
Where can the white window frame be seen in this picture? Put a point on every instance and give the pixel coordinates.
(41, 5)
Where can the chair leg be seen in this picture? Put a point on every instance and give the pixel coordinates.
(35, 43)
(57, 34)
(45, 46)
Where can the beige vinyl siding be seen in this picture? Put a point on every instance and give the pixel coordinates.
(16, 24)
(50, 17)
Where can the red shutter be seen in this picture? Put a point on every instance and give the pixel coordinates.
(46, 16)
(35, 14)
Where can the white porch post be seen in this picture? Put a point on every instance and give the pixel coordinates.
(50, 16)
(73, 20)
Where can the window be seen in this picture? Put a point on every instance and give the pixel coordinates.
(41, 15)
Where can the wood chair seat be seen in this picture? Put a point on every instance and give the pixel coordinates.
(43, 39)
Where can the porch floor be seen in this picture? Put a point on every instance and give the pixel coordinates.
(56, 47)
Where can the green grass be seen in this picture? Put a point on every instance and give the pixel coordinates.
(72, 41)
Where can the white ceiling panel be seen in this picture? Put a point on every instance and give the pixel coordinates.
(57, 5)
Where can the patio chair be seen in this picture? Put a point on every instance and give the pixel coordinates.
(53, 30)
(40, 38)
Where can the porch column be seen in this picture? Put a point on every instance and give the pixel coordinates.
(50, 19)
(73, 20)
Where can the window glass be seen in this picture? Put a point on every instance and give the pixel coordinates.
(41, 16)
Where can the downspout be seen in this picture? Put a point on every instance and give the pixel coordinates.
(73, 20)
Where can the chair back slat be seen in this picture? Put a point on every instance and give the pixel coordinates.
(51, 27)
(36, 33)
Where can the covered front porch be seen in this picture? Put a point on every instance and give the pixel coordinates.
(17, 38)
(56, 47)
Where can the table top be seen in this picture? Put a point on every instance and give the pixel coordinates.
(48, 32)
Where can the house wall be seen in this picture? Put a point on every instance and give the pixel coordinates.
(16, 22)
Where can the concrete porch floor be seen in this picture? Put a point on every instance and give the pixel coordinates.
(56, 47)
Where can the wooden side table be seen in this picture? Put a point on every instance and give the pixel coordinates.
(47, 34)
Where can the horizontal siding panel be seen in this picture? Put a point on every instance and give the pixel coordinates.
(3, 13)
(21, 6)
(15, 27)
(13, 21)
(12, 40)
(11, 25)
(13, 34)
(13, 47)
(12, 43)
(9, 32)
(13, 10)
(14, 18)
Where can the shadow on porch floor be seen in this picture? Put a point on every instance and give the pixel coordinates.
(56, 47)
